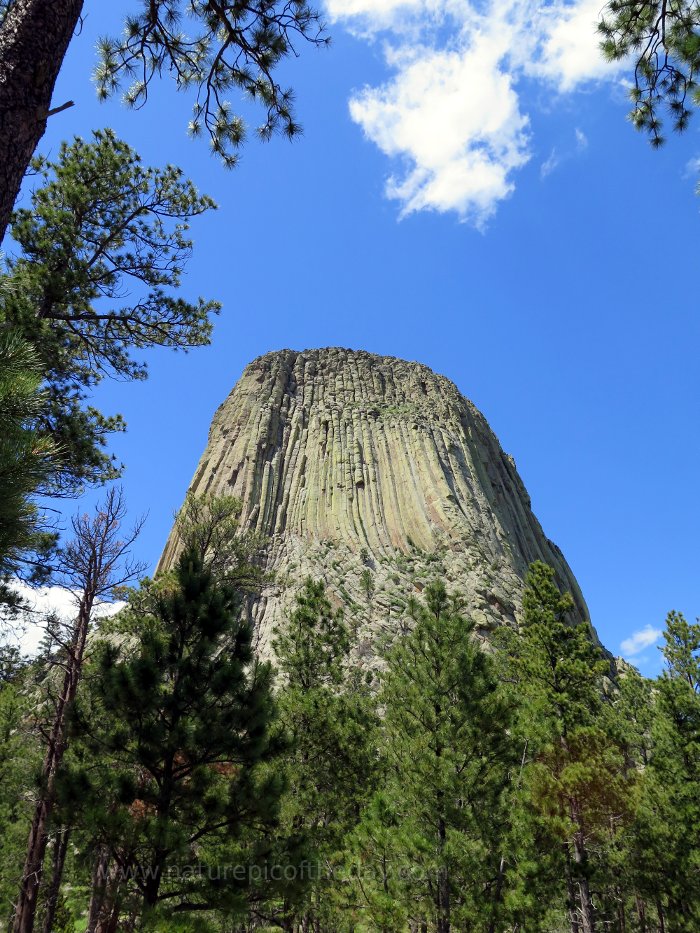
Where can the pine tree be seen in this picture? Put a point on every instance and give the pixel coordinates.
(331, 722)
(100, 226)
(230, 45)
(374, 893)
(20, 761)
(666, 844)
(448, 758)
(186, 739)
(93, 563)
(27, 460)
(661, 40)
(682, 650)
(628, 720)
(576, 778)
(34, 37)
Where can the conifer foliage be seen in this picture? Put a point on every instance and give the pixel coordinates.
(529, 785)
(26, 462)
(330, 719)
(664, 846)
(101, 227)
(233, 46)
(661, 39)
(560, 670)
(448, 757)
(228, 47)
(185, 730)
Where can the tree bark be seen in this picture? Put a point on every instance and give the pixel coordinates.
(98, 891)
(38, 834)
(443, 883)
(89, 565)
(34, 38)
(641, 913)
(571, 895)
(105, 897)
(108, 921)
(59, 861)
(584, 891)
(660, 914)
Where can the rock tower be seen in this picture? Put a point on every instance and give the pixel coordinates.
(375, 474)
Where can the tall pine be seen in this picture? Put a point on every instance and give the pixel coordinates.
(575, 779)
(331, 722)
(187, 738)
(448, 759)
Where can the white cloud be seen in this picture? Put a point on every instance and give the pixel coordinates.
(460, 147)
(643, 638)
(450, 116)
(692, 168)
(50, 599)
(552, 162)
(556, 157)
(569, 45)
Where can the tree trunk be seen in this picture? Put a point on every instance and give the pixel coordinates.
(621, 915)
(109, 923)
(98, 893)
(38, 834)
(581, 876)
(443, 884)
(152, 886)
(571, 896)
(34, 38)
(641, 913)
(59, 861)
(660, 913)
(584, 891)
(89, 564)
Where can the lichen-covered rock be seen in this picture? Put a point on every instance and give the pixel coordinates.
(376, 475)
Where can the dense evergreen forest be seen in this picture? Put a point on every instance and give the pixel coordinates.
(174, 780)
(157, 771)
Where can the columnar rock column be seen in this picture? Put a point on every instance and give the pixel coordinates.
(376, 475)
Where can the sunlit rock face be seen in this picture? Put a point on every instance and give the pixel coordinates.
(376, 475)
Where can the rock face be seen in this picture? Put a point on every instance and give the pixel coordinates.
(376, 475)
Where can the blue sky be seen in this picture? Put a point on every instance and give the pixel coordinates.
(467, 193)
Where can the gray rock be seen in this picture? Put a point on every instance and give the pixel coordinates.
(350, 462)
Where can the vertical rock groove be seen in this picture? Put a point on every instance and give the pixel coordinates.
(349, 462)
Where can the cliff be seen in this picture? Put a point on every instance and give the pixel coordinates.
(375, 474)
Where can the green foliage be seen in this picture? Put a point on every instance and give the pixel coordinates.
(184, 738)
(26, 461)
(664, 846)
(662, 40)
(12, 663)
(211, 526)
(528, 787)
(560, 665)
(448, 757)
(312, 647)
(103, 247)
(233, 47)
(576, 791)
(20, 756)
(367, 582)
(682, 650)
(375, 888)
(331, 722)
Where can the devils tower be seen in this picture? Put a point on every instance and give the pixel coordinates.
(376, 475)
